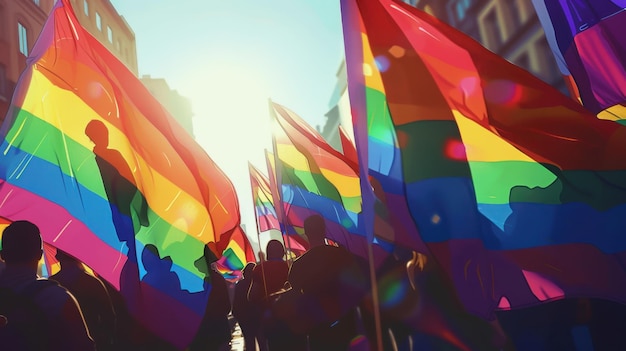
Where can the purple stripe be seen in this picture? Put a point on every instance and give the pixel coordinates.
(526, 277)
(602, 64)
(182, 322)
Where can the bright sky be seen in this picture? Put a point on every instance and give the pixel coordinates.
(230, 58)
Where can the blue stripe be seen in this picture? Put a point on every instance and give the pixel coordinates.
(446, 209)
(173, 280)
(330, 209)
(46, 180)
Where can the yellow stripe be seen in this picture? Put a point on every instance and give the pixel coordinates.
(613, 113)
(164, 197)
(238, 251)
(348, 186)
(484, 145)
(370, 70)
(291, 156)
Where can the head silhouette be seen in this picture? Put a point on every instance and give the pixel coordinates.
(150, 257)
(275, 250)
(64, 258)
(98, 133)
(247, 271)
(315, 230)
(21, 243)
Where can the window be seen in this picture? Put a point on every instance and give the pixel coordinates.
(461, 8)
(524, 10)
(523, 61)
(22, 38)
(36, 2)
(98, 22)
(110, 34)
(86, 7)
(547, 64)
(492, 37)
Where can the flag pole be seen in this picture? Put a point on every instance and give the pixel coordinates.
(258, 230)
(375, 300)
(278, 201)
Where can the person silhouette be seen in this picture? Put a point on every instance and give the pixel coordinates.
(92, 297)
(65, 328)
(248, 314)
(159, 271)
(158, 277)
(268, 280)
(331, 284)
(214, 333)
(119, 183)
(126, 203)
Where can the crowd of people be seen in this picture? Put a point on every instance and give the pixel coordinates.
(324, 300)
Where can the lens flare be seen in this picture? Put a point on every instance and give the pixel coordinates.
(454, 149)
(469, 85)
(503, 92)
(382, 63)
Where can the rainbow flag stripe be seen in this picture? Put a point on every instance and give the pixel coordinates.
(378, 149)
(316, 179)
(265, 211)
(109, 177)
(509, 181)
(238, 253)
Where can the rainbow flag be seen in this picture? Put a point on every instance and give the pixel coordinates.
(517, 190)
(588, 42)
(378, 149)
(314, 178)
(109, 176)
(264, 209)
(293, 238)
(237, 255)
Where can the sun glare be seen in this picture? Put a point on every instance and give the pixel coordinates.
(231, 119)
(231, 122)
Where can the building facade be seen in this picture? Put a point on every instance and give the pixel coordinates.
(100, 18)
(339, 113)
(177, 105)
(21, 22)
(511, 29)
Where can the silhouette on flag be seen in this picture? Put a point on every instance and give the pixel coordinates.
(98, 164)
(518, 191)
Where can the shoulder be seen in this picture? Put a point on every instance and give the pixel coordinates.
(322, 257)
(53, 297)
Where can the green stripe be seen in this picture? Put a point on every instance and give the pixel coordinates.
(379, 123)
(494, 181)
(46, 142)
(423, 150)
(318, 184)
(506, 181)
